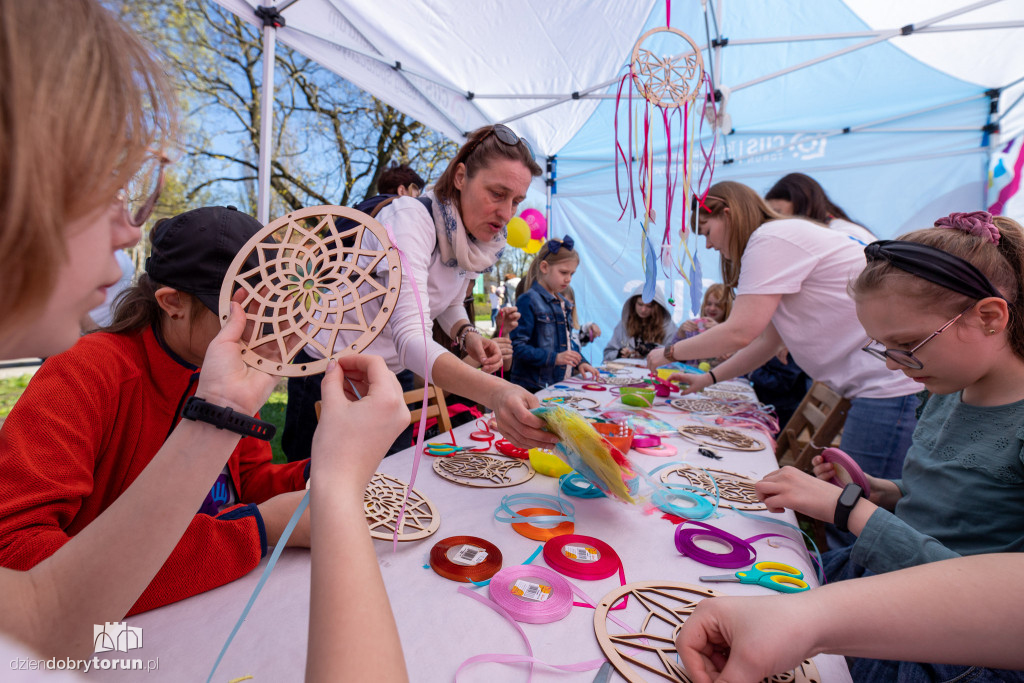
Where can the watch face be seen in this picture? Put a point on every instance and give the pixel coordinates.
(850, 495)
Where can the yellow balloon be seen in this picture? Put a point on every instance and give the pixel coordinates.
(533, 246)
(518, 233)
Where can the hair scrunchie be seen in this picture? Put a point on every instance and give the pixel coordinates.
(976, 223)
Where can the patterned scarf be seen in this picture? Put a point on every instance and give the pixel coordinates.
(458, 248)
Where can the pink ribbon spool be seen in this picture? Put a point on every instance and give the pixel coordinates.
(581, 557)
(662, 451)
(646, 441)
(531, 594)
(741, 553)
(844, 463)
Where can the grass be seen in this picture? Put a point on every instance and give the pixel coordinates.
(11, 389)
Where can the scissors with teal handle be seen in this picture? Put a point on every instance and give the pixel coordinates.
(775, 575)
(441, 449)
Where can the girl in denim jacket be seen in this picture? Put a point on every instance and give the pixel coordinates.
(543, 351)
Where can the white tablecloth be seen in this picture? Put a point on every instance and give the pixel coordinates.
(440, 628)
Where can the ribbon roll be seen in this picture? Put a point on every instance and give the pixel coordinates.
(582, 557)
(541, 532)
(505, 447)
(741, 553)
(646, 441)
(576, 485)
(531, 594)
(665, 496)
(556, 518)
(841, 461)
(465, 559)
(594, 387)
(662, 451)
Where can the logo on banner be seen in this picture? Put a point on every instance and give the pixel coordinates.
(118, 636)
(764, 148)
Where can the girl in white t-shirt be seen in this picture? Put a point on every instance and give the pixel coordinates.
(790, 278)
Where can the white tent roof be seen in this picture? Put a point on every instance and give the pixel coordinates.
(886, 104)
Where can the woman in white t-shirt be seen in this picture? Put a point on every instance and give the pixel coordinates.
(790, 278)
(800, 195)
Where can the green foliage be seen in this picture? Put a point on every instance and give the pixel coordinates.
(274, 412)
(11, 389)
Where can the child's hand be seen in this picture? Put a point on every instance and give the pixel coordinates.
(627, 352)
(791, 489)
(511, 405)
(228, 381)
(825, 471)
(572, 358)
(505, 344)
(689, 326)
(593, 330)
(507, 319)
(690, 383)
(656, 358)
(587, 370)
(345, 452)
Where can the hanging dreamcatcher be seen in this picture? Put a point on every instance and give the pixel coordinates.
(667, 73)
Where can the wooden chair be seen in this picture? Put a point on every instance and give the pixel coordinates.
(813, 427)
(436, 407)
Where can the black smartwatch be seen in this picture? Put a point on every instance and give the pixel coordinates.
(223, 417)
(847, 499)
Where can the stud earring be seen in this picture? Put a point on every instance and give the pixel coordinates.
(176, 317)
(991, 331)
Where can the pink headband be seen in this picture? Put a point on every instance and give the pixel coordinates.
(976, 223)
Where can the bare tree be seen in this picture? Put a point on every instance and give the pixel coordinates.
(330, 141)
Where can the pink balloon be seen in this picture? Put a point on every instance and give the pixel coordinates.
(538, 224)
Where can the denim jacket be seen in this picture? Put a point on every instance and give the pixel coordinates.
(540, 336)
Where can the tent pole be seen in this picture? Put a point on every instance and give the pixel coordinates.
(266, 119)
(550, 182)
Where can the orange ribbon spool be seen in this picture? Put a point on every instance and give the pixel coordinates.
(456, 558)
(538, 533)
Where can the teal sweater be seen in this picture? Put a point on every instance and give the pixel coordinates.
(963, 489)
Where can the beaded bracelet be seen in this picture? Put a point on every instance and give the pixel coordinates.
(465, 332)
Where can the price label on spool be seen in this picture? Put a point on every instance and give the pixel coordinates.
(528, 589)
(467, 555)
(581, 553)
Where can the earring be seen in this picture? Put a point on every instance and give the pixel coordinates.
(991, 331)
(176, 317)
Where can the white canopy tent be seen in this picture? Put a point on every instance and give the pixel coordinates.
(902, 111)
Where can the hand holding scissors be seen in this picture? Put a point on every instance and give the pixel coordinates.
(775, 575)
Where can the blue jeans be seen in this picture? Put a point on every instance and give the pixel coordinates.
(838, 567)
(878, 433)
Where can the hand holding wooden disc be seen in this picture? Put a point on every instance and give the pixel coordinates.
(309, 282)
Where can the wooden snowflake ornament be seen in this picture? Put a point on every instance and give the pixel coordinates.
(309, 283)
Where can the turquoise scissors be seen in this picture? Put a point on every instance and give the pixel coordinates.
(775, 575)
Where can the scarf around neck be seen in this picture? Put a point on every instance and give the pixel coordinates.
(458, 248)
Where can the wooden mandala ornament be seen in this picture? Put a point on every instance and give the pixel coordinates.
(620, 381)
(731, 385)
(734, 490)
(382, 501)
(718, 437)
(703, 406)
(659, 609)
(667, 81)
(484, 470)
(577, 402)
(309, 283)
(726, 395)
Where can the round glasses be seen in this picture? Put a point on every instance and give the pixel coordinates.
(907, 358)
(140, 195)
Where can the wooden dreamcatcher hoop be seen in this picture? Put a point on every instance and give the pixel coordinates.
(734, 490)
(382, 501)
(577, 402)
(660, 609)
(307, 283)
(731, 385)
(718, 437)
(703, 406)
(668, 81)
(484, 470)
(619, 381)
(726, 395)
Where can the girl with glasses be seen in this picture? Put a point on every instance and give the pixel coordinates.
(946, 306)
(790, 279)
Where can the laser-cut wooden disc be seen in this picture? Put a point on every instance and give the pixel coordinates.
(307, 283)
(577, 402)
(620, 381)
(703, 406)
(659, 609)
(727, 395)
(734, 490)
(484, 470)
(668, 81)
(382, 501)
(719, 437)
(731, 385)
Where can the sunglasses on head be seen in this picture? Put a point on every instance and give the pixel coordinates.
(505, 136)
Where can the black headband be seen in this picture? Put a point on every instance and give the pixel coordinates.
(934, 265)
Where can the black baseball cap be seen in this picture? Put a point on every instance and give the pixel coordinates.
(193, 250)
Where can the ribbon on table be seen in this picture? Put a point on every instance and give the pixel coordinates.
(666, 494)
(586, 558)
(554, 517)
(840, 459)
(466, 559)
(741, 552)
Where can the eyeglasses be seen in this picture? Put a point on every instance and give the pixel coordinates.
(138, 198)
(907, 358)
(505, 135)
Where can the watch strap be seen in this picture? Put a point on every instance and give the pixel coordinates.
(844, 506)
(223, 417)
(668, 352)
